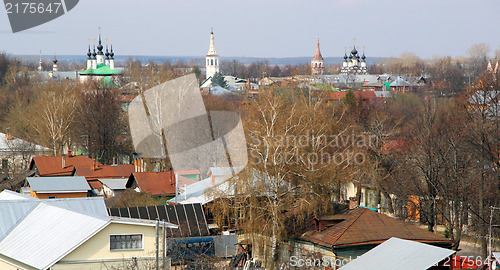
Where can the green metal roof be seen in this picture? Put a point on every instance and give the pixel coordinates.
(388, 85)
(102, 69)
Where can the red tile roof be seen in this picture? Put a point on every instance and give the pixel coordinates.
(364, 226)
(52, 165)
(157, 183)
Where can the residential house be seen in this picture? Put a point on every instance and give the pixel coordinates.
(353, 232)
(59, 165)
(157, 183)
(67, 234)
(16, 153)
(398, 253)
(113, 186)
(58, 187)
(191, 240)
(97, 171)
(360, 95)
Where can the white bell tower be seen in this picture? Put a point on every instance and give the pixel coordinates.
(212, 59)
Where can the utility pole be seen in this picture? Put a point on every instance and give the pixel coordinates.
(164, 245)
(176, 188)
(157, 243)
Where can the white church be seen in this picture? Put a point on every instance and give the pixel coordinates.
(212, 67)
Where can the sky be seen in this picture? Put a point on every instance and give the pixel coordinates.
(265, 28)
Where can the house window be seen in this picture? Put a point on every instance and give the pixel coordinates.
(52, 197)
(131, 241)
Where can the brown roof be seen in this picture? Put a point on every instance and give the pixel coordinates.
(105, 171)
(157, 183)
(364, 226)
(52, 165)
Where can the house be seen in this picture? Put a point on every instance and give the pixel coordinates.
(361, 95)
(157, 183)
(98, 171)
(59, 165)
(398, 253)
(113, 186)
(16, 152)
(353, 232)
(67, 234)
(58, 187)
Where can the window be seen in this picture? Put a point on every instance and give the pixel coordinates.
(133, 241)
(52, 197)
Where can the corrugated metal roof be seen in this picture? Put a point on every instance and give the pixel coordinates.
(41, 232)
(93, 206)
(87, 205)
(11, 212)
(7, 195)
(18, 145)
(115, 183)
(58, 184)
(47, 234)
(397, 253)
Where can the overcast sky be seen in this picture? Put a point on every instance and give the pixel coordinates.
(265, 28)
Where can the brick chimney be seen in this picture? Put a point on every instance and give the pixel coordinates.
(9, 136)
(94, 165)
(69, 153)
(353, 202)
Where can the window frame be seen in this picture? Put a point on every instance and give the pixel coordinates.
(126, 249)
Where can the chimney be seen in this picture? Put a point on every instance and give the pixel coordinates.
(135, 165)
(94, 165)
(9, 136)
(172, 178)
(353, 202)
(69, 153)
(63, 161)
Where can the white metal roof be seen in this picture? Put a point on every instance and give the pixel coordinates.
(87, 205)
(41, 232)
(49, 233)
(223, 171)
(11, 212)
(397, 253)
(58, 184)
(12, 195)
(18, 145)
(115, 183)
(93, 206)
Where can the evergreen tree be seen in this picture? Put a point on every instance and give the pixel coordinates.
(218, 79)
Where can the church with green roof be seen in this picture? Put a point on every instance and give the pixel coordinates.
(100, 65)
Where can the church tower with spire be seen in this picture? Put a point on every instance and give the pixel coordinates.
(212, 59)
(100, 65)
(317, 63)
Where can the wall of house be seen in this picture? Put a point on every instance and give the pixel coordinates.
(95, 253)
(58, 195)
